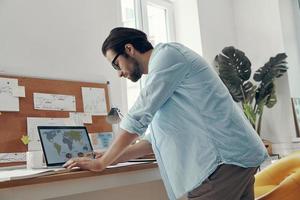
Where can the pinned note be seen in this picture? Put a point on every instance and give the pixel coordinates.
(8, 102)
(94, 101)
(12, 157)
(45, 101)
(81, 118)
(18, 91)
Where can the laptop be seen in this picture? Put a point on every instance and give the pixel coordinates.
(61, 143)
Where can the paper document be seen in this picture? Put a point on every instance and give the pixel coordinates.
(81, 118)
(32, 131)
(14, 174)
(19, 91)
(94, 101)
(12, 157)
(8, 102)
(125, 164)
(54, 102)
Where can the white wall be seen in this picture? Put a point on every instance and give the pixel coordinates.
(260, 32)
(187, 24)
(62, 40)
(217, 26)
(290, 18)
(260, 28)
(59, 40)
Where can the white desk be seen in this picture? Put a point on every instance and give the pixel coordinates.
(77, 182)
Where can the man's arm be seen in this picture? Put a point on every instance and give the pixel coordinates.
(136, 150)
(118, 147)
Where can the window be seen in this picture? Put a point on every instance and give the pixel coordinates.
(155, 18)
(128, 13)
(157, 24)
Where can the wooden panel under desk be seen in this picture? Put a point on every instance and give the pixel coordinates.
(13, 124)
(74, 175)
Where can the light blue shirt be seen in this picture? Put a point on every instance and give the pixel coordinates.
(194, 123)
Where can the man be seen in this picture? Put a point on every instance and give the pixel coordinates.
(202, 141)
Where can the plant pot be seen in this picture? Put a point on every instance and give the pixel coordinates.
(268, 145)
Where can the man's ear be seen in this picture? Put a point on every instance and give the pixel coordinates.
(129, 49)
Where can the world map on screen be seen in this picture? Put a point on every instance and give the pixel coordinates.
(62, 144)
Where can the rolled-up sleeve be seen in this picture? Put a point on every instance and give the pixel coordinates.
(168, 69)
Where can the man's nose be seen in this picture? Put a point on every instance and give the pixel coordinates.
(120, 73)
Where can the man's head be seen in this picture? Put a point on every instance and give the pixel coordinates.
(128, 51)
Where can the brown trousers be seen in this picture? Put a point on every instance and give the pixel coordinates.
(227, 182)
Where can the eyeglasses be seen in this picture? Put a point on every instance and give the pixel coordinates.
(115, 66)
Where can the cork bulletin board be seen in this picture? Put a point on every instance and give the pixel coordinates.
(13, 125)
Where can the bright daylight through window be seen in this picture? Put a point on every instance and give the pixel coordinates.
(154, 18)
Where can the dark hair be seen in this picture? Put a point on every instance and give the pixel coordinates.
(120, 36)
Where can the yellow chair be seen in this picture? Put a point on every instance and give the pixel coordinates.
(280, 180)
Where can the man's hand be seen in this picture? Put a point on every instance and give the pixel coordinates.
(85, 163)
(98, 154)
(94, 154)
(117, 148)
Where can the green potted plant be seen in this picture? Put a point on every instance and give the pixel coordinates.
(234, 69)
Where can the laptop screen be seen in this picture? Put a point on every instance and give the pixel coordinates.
(61, 143)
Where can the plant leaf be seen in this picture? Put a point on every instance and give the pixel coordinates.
(234, 69)
(274, 68)
(263, 92)
(272, 99)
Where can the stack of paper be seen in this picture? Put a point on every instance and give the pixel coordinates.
(14, 174)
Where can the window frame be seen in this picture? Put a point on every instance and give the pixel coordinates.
(169, 16)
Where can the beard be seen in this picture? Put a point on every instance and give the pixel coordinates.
(136, 73)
